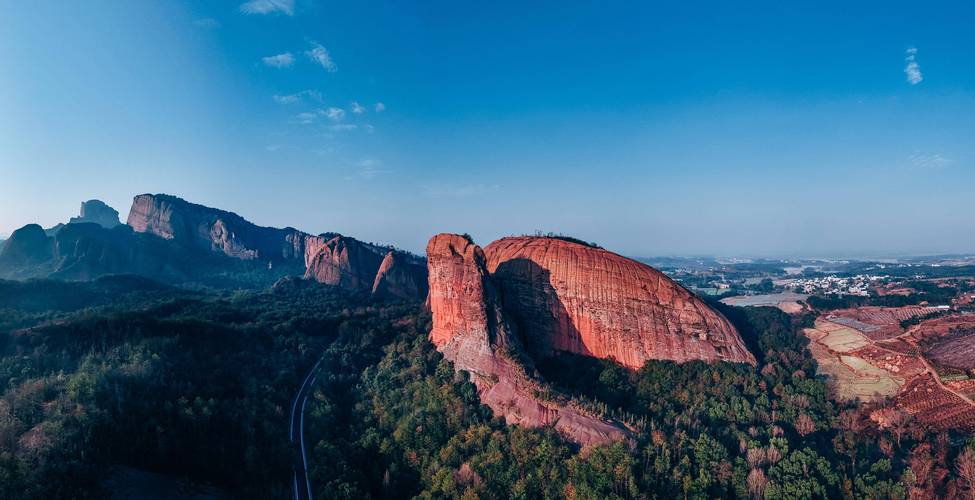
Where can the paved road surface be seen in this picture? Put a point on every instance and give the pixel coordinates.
(301, 486)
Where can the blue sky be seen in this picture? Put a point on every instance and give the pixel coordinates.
(745, 128)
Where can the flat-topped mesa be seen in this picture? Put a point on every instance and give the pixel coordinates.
(97, 212)
(471, 330)
(572, 297)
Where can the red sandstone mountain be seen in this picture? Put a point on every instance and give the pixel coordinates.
(471, 330)
(568, 296)
(206, 228)
(329, 258)
(173, 240)
(401, 275)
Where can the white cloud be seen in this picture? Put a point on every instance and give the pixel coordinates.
(279, 61)
(931, 161)
(380, 107)
(286, 7)
(342, 127)
(334, 113)
(207, 23)
(319, 54)
(295, 98)
(287, 99)
(357, 108)
(913, 69)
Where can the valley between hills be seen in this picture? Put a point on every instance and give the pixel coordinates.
(181, 350)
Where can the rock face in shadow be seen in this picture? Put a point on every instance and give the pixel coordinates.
(28, 247)
(97, 212)
(342, 261)
(567, 296)
(471, 329)
(402, 276)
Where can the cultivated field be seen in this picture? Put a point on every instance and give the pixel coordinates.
(925, 370)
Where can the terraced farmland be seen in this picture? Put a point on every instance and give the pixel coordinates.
(925, 371)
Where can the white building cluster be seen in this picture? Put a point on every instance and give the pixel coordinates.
(854, 285)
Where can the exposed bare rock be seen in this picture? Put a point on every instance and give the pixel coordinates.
(212, 229)
(339, 260)
(567, 296)
(402, 276)
(471, 330)
(328, 258)
(97, 212)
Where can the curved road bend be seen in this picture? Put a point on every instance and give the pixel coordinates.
(301, 486)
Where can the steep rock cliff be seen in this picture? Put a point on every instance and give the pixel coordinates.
(97, 212)
(339, 260)
(212, 229)
(402, 276)
(329, 258)
(471, 330)
(567, 296)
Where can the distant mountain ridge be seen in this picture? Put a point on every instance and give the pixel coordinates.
(174, 240)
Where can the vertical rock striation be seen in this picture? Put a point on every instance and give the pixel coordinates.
(402, 276)
(328, 258)
(567, 296)
(471, 329)
(206, 228)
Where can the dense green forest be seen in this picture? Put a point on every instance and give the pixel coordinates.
(197, 384)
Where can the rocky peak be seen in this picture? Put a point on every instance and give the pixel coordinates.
(472, 330)
(343, 261)
(572, 297)
(212, 229)
(401, 275)
(29, 244)
(97, 212)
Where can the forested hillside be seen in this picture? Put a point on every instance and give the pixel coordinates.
(197, 385)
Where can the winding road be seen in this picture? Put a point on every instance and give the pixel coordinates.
(301, 486)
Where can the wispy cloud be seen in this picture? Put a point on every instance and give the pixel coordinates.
(307, 117)
(334, 113)
(319, 54)
(286, 7)
(357, 108)
(447, 190)
(379, 107)
(285, 60)
(207, 23)
(368, 169)
(342, 127)
(913, 69)
(297, 97)
(930, 161)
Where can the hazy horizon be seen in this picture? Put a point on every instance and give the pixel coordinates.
(653, 130)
